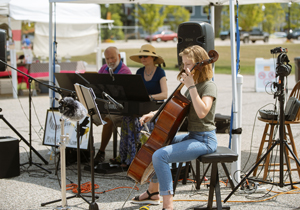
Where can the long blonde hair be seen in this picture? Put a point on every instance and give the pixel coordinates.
(197, 54)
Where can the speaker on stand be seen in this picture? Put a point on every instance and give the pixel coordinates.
(195, 33)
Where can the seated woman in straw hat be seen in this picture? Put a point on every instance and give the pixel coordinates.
(155, 81)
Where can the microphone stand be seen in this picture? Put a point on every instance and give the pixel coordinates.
(93, 204)
(63, 176)
(62, 143)
(30, 162)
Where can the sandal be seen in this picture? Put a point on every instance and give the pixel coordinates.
(116, 160)
(148, 200)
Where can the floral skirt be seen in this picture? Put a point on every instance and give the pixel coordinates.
(128, 144)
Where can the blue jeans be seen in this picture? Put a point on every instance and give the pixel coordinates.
(183, 148)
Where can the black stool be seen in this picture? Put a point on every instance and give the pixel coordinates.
(222, 155)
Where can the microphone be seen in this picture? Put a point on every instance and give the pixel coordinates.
(76, 72)
(72, 109)
(111, 73)
(118, 105)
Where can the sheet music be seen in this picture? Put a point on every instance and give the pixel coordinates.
(87, 97)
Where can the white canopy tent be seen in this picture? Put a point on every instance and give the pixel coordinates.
(76, 24)
(236, 138)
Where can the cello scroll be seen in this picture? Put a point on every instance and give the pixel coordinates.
(213, 57)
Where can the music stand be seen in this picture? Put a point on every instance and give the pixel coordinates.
(87, 97)
(120, 88)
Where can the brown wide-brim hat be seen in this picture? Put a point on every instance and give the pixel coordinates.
(149, 50)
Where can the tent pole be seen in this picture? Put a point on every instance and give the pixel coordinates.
(50, 55)
(235, 169)
(99, 54)
(212, 22)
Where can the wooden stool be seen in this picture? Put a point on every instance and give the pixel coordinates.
(222, 155)
(270, 132)
(295, 93)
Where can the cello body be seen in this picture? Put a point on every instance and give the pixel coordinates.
(168, 122)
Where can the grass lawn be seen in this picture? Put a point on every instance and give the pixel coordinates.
(248, 54)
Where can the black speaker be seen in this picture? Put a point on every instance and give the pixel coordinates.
(9, 157)
(195, 33)
(2, 49)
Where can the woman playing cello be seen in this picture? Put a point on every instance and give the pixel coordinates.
(201, 137)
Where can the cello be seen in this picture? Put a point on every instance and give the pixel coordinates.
(170, 116)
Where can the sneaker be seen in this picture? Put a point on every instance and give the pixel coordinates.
(100, 157)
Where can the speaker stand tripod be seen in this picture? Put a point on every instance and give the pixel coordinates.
(281, 142)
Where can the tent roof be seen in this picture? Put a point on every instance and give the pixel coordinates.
(38, 11)
(176, 2)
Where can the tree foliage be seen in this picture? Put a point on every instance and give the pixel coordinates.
(250, 16)
(114, 12)
(271, 19)
(176, 15)
(150, 17)
(295, 15)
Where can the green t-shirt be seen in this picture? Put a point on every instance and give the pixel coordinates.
(207, 88)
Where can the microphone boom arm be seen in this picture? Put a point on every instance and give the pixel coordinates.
(58, 90)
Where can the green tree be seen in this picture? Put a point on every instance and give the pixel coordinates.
(150, 17)
(253, 15)
(295, 15)
(114, 12)
(176, 15)
(218, 19)
(225, 20)
(273, 17)
(250, 16)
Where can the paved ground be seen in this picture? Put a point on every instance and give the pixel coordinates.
(35, 186)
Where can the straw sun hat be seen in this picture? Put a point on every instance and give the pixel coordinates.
(147, 50)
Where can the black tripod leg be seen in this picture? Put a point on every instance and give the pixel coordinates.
(23, 139)
(248, 174)
(44, 204)
(79, 167)
(93, 205)
(294, 156)
(287, 161)
(38, 165)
